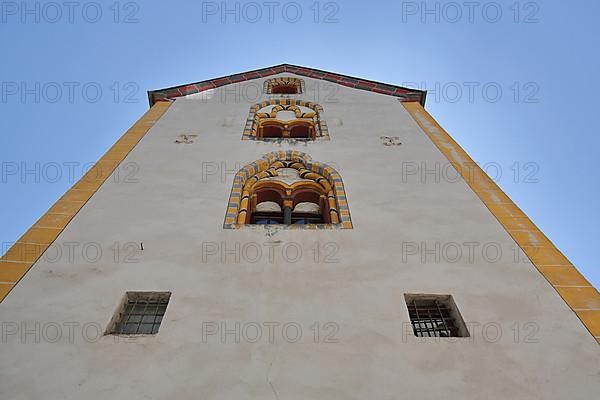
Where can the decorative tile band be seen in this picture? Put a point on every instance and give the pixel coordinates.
(403, 93)
(30, 247)
(236, 207)
(575, 290)
(251, 128)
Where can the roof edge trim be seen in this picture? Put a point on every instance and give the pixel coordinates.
(403, 93)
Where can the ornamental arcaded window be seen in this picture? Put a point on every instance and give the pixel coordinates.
(286, 119)
(286, 122)
(284, 85)
(287, 188)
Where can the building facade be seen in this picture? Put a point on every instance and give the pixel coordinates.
(291, 233)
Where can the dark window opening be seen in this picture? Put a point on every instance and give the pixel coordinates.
(306, 219)
(271, 131)
(285, 89)
(435, 316)
(141, 313)
(301, 132)
(264, 218)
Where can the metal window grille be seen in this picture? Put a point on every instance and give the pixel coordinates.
(433, 317)
(141, 313)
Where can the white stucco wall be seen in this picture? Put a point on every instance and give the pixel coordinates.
(178, 214)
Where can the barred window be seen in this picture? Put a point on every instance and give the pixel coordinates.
(435, 316)
(140, 313)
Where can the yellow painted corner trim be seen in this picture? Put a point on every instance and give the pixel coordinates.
(29, 248)
(574, 289)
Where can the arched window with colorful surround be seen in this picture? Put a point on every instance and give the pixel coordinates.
(284, 85)
(287, 188)
(286, 119)
(286, 122)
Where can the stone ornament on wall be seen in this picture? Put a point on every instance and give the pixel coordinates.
(292, 178)
(391, 141)
(185, 139)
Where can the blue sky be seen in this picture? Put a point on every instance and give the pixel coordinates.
(542, 56)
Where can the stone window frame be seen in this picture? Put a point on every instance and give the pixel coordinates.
(237, 208)
(252, 122)
(270, 84)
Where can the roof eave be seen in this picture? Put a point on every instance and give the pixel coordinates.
(408, 94)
